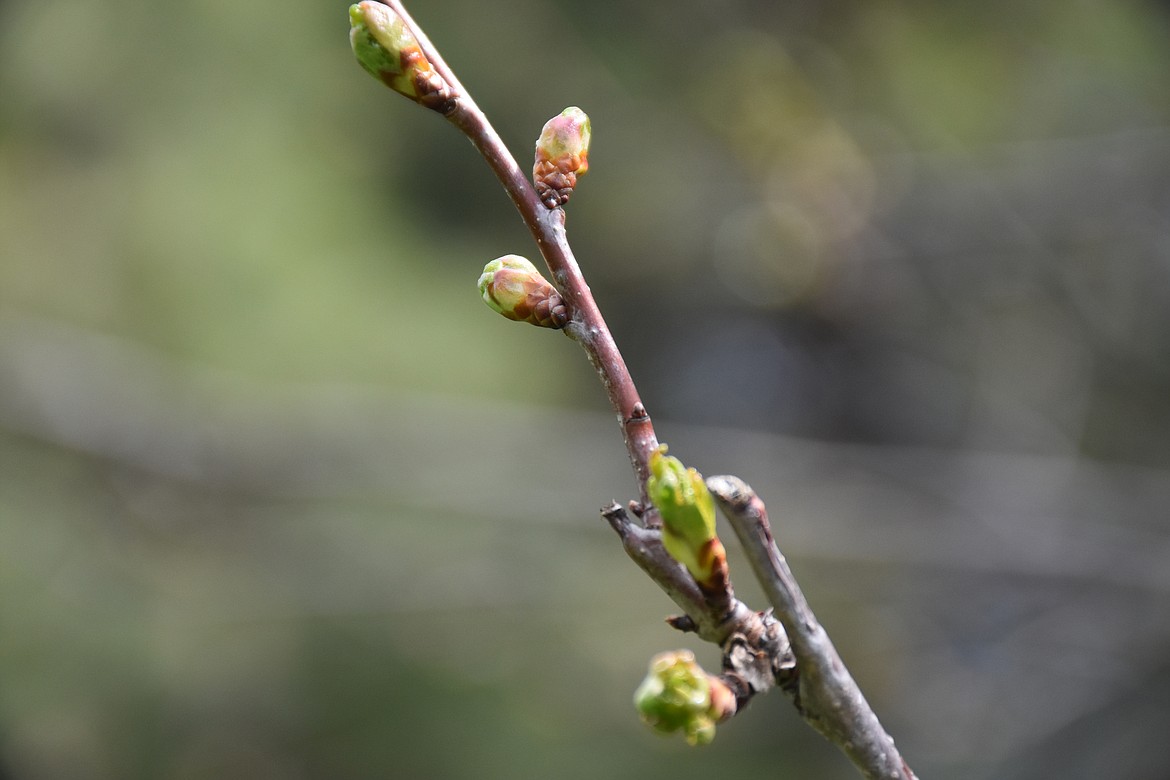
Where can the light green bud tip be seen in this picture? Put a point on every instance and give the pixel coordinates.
(379, 39)
(676, 696)
(505, 283)
(386, 47)
(688, 512)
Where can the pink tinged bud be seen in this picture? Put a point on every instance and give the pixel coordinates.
(512, 286)
(562, 154)
(388, 50)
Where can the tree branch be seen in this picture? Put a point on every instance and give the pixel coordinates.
(586, 325)
(827, 695)
(757, 654)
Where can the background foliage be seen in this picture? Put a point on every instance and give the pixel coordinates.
(280, 498)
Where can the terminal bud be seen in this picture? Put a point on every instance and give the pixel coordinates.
(385, 46)
(688, 518)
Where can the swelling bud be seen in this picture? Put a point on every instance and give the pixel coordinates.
(676, 696)
(385, 46)
(512, 286)
(562, 154)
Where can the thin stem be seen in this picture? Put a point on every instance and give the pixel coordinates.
(586, 325)
(714, 619)
(829, 697)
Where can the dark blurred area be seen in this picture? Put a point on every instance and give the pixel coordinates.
(279, 497)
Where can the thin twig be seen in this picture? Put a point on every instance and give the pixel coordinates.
(586, 325)
(827, 696)
(713, 618)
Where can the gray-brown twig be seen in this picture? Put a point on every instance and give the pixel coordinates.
(826, 694)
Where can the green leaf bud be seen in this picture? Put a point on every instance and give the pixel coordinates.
(676, 696)
(512, 286)
(688, 516)
(562, 154)
(385, 46)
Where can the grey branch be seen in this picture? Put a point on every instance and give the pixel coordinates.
(713, 619)
(826, 694)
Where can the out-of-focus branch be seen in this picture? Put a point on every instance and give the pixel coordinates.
(826, 694)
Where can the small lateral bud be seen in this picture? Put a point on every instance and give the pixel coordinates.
(684, 623)
(562, 154)
(388, 50)
(676, 696)
(688, 517)
(512, 286)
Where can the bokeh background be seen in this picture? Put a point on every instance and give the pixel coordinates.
(280, 498)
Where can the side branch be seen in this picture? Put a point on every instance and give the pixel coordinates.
(586, 325)
(827, 696)
(714, 617)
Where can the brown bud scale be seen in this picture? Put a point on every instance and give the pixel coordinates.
(555, 180)
(432, 89)
(544, 308)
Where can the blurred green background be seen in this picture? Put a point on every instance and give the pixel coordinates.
(279, 497)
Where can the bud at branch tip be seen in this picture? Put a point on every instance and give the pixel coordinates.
(688, 516)
(385, 46)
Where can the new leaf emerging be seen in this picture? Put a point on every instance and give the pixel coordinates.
(676, 696)
(688, 515)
